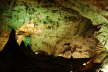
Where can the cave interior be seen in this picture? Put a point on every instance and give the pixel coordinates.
(53, 36)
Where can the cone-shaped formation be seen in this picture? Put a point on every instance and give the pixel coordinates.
(7, 55)
(22, 48)
(11, 45)
(29, 50)
(26, 49)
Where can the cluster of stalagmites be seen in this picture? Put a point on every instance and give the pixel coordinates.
(15, 58)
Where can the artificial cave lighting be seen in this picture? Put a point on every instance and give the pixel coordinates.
(53, 36)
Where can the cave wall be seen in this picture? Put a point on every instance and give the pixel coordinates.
(61, 28)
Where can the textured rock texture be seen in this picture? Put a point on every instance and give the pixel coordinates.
(55, 26)
(59, 27)
(3, 39)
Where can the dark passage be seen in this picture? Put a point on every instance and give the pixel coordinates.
(15, 58)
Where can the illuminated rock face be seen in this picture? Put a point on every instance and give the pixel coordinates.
(53, 28)
(59, 31)
(3, 39)
(104, 67)
(80, 47)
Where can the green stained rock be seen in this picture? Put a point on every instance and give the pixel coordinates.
(27, 41)
(57, 23)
